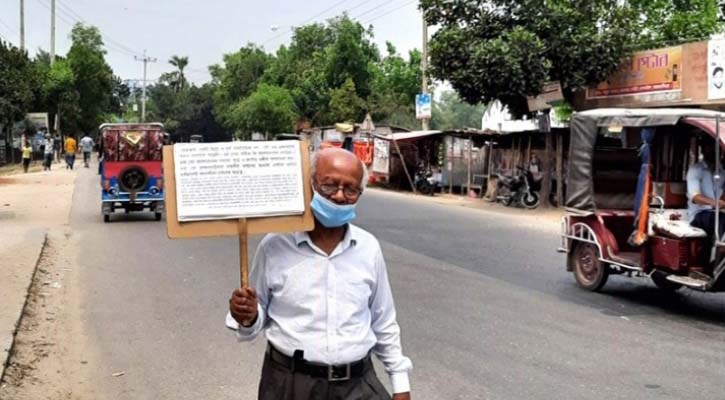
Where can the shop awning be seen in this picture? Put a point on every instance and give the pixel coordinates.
(408, 135)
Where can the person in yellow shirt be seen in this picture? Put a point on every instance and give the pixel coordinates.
(70, 152)
(27, 150)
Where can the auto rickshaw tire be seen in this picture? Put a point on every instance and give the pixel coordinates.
(157, 216)
(589, 271)
(133, 179)
(659, 278)
(106, 218)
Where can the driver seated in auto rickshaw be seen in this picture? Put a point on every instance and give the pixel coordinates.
(701, 191)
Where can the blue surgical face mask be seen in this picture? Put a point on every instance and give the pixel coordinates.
(330, 214)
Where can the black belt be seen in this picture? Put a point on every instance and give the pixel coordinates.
(332, 373)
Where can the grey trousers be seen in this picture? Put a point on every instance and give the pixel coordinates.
(279, 383)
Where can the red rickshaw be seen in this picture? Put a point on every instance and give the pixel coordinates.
(627, 203)
(131, 170)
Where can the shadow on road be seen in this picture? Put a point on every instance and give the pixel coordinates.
(133, 217)
(630, 297)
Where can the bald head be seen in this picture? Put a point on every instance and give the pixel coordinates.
(338, 166)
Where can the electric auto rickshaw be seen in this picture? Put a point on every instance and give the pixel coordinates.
(131, 169)
(627, 198)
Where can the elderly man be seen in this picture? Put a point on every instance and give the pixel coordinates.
(323, 300)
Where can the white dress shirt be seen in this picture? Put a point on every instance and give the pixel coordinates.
(700, 181)
(336, 308)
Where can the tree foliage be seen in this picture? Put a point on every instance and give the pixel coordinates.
(507, 49)
(185, 113)
(395, 84)
(450, 112)
(301, 69)
(269, 110)
(345, 105)
(237, 79)
(665, 22)
(319, 61)
(17, 84)
(94, 79)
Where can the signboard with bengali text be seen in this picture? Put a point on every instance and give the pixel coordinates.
(651, 71)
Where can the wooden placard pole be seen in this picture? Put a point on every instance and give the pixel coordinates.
(243, 252)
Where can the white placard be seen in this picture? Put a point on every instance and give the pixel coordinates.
(381, 156)
(716, 69)
(238, 180)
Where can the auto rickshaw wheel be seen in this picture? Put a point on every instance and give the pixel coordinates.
(589, 271)
(106, 218)
(157, 216)
(659, 278)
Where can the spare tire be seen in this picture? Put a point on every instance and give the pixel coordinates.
(133, 179)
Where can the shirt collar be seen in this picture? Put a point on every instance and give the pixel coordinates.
(350, 239)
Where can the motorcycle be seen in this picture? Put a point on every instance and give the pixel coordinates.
(518, 190)
(424, 183)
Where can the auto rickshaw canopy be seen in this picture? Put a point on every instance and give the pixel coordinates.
(586, 126)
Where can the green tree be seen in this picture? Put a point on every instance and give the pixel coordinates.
(665, 22)
(186, 113)
(269, 110)
(62, 98)
(345, 105)
(237, 79)
(94, 79)
(17, 80)
(300, 68)
(396, 82)
(177, 78)
(352, 55)
(450, 112)
(507, 49)
(321, 58)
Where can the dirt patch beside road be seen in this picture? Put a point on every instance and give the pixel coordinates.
(49, 360)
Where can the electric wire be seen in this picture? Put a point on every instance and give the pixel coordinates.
(285, 32)
(377, 7)
(374, 18)
(66, 15)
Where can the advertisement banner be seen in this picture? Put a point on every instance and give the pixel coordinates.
(715, 69)
(651, 71)
(381, 156)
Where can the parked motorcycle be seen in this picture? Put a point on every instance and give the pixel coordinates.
(423, 182)
(518, 190)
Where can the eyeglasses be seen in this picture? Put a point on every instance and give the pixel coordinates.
(328, 190)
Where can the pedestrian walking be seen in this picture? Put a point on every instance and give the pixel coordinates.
(27, 151)
(87, 147)
(323, 300)
(70, 152)
(47, 152)
(56, 147)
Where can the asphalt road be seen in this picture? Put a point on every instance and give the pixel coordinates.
(486, 308)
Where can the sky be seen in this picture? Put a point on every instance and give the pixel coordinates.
(203, 30)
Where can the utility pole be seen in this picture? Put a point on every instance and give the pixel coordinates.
(22, 24)
(145, 61)
(424, 65)
(52, 32)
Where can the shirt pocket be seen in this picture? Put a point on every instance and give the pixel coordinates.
(354, 307)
